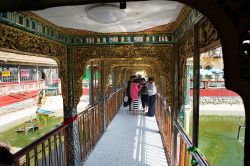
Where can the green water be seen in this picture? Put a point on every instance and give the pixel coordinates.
(218, 140)
(22, 139)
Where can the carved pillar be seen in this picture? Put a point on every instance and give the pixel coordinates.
(107, 72)
(175, 106)
(187, 109)
(187, 83)
(96, 76)
(114, 85)
(91, 84)
(103, 87)
(99, 81)
(71, 135)
(125, 77)
(196, 85)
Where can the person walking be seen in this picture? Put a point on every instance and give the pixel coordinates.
(152, 97)
(144, 94)
(135, 88)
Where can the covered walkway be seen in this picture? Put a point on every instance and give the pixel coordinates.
(129, 140)
(156, 38)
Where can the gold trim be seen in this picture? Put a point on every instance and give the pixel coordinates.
(19, 41)
(182, 16)
(160, 53)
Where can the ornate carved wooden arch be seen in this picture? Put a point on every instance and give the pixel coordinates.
(162, 53)
(144, 63)
(19, 41)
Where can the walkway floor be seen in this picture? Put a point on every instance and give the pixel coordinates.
(130, 140)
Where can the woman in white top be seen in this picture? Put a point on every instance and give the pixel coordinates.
(152, 97)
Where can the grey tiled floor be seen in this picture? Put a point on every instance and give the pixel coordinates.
(130, 140)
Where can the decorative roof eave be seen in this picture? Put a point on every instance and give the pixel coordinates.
(181, 17)
(41, 19)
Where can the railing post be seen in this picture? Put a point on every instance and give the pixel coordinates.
(103, 94)
(196, 85)
(72, 135)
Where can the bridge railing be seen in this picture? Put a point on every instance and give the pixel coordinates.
(49, 150)
(90, 122)
(185, 153)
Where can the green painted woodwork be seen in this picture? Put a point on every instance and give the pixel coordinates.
(32, 25)
(86, 76)
(190, 19)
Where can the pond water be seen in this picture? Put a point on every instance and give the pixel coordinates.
(218, 140)
(20, 140)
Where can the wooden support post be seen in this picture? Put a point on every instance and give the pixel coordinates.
(187, 98)
(196, 85)
(103, 94)
(91, 84)
(116, 87)
(175, 104)
(72, 135)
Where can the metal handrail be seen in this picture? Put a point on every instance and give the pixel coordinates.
(99, 102)
(62, 126)
(198, 156)
(23, 151)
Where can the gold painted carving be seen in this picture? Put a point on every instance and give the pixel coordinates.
(21, 41)
(181, 17)
(161, 53)
(186, 49)
(208, 34)
(161, 29)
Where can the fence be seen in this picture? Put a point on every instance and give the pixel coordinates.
(50, 149)
(184, 152)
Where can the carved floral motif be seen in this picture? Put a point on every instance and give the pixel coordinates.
(161, 53)
(208, 34)
(186, 49)
(15, 39)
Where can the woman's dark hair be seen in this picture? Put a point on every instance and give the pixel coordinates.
(5, 156)
(136, 81)
(150, 79)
